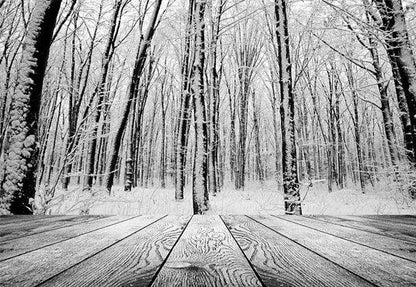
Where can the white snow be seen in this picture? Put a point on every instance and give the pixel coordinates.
(255, 199)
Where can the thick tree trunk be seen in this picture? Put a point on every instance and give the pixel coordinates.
(135, 80)
(200, 170)
(287, 113)
(400, 52)
(20, 180)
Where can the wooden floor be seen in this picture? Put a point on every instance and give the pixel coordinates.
(208, 251)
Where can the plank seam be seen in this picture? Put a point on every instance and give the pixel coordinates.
(320, 255)
(38, 248)
(64, 226)
(357, 228)
(346, 239)
(105, 248)
(245, 256)
(170, 251)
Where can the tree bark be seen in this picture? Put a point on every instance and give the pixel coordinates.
(141, 57)
(400, 52)
(100, 92)
(184, 120)
(20, 180)
(200, 170)
(287, 113)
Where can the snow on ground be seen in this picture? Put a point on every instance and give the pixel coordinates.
(257, 198)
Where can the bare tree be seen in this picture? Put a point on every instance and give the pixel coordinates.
(141, 57)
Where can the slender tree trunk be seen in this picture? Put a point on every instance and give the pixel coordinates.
(256, 127)
(356, 127)
(385, 105)
(200, 170)
(21, 163)
(135, 80)
(287, 113)
(184, 120)
(100, 92)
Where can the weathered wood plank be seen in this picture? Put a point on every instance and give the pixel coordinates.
(403, 219)
(19, 246)
(388, 224)
(397, 247)
(282, 262)
(206, 255)
(35, 267)
(21, 229)
(378, 267)
(7, 219)
(131, 262)
(391, 230)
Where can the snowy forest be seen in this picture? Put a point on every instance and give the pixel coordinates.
(207, 106)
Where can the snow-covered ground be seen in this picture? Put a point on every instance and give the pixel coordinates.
(257, 198)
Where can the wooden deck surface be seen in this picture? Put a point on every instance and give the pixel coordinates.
(208, 251)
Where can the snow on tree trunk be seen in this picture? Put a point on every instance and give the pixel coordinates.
(184, 120)
(400, 52)
(133, 90)
(287, 113)
(200, 172)
(19, 184)
(100, 91)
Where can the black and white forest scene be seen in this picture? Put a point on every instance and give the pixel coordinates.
(208, 143)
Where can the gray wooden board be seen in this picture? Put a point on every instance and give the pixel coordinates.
(390, 245)
(22, 229)
(373, 226)
(282, 262)
(403, 219)
(206, 255)
(131, 262)
(405, 228)
(29, 243)
(7, 219)
(378, 267)
(35, 267)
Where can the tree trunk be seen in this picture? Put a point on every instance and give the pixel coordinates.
(184, 120)
(200, 169)
(20, 181)
(384, 98)
(356, 126)
(141, 57)
(100, 92)
(287, 113)
(400, 52)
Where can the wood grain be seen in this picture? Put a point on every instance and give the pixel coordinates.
(378, 267)
(282, 262)
(7, 219)
(387, 229)
(390, 245)
(29, 243)
(35, 267)
(403, 219)
(131, 262)
(206, 255)
(12, 231)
